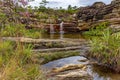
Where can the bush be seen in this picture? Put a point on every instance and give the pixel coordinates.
(18, 30)
(97, 30)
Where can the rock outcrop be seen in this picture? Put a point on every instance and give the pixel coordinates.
(92, 16)
(99, 11)
(71, 72)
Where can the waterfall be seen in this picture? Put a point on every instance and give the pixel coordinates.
(61, 30)
(61, 27)
(52, 28)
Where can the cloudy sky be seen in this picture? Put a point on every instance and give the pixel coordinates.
(65, 3)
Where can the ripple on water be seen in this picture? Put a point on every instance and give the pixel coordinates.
(64, 61)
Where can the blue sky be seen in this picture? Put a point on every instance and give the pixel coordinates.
(65, 3)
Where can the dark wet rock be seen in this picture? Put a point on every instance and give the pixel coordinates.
(94, 12)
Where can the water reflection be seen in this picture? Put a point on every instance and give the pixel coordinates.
(98, 73)
(62, 36)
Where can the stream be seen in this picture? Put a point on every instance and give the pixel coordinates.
(97, 72)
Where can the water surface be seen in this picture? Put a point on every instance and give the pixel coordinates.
(62, 36)
(98, 73)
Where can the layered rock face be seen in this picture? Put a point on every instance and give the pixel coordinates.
(92, 16)
(116, 8)
(99, 11)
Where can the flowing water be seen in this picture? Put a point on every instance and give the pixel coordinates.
(97, 72)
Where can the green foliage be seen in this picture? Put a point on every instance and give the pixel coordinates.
(16, 62)
(97, 30)
(42, 6)
(71, 9)
(18, 30)
(106, 49)
(57, 55)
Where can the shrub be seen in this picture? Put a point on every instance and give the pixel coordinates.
(97, 30)
(18, 30)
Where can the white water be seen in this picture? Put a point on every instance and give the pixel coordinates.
(61, 28)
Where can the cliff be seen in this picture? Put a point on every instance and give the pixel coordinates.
(99, 12)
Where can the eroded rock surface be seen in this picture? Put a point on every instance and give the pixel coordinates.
(71, 72)
(92, 16)
(99, 11)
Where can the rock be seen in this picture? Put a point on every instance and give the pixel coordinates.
(99, 11)
(71, 72)
(80, 75)
(99, 4)
(84, 60)
(68, 67)
(94, 12)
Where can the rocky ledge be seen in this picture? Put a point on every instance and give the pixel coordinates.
(93, 15)
(99, 11)
(70, 72)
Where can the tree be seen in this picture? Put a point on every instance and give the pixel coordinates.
(44, 3)
(42, 6)
(75, 7)
(69, 7)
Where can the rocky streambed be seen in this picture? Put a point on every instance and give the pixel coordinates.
(69, 68)
(77, 68)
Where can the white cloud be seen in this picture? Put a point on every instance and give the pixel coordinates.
(65, 3)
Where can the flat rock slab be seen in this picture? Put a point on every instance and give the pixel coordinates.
(46, 45)
(58, 49)
(71, 72)
(30, 40)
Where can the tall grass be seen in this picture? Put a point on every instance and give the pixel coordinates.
(106, 50)
(97, 30)
(16, 62)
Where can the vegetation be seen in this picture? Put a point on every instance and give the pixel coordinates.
(16, 62)
(47, 57)
(106, 50)
(97, 30)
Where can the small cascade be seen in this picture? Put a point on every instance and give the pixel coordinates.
(52, 28)
(61, 28)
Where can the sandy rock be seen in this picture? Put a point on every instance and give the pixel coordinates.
(68, 67)
(80, 75)
(72, 72)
